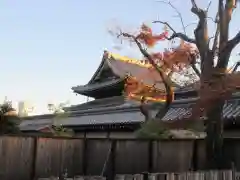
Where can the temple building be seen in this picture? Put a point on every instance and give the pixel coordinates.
(110, 114)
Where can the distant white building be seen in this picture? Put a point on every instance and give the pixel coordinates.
(24, 108)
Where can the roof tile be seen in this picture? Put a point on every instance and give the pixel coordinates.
(231, 109)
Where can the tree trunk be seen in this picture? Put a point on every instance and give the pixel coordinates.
(214, 122)
(214, 139)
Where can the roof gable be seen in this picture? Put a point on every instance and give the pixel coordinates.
(103, 72)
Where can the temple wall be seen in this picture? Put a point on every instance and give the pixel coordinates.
(96, 135)
(122, 135)
(132, 135)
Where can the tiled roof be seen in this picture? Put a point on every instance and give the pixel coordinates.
(231, 109)
(97, 103)
(34, 125)
(126, 113)
(86, 120)
(101, 119)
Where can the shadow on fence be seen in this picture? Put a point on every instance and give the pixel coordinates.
(33, 157)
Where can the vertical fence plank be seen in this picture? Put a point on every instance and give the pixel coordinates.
(55, 156)
(34, 157)
(16, 157)
(132, 156)
(72, 156)
(97, 151)
(167, 159)
(48, 157)
(85, 155)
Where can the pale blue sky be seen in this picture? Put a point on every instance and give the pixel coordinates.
(48, 46)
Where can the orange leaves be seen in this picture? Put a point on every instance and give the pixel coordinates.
(147, 37)
(170, 60)
(143, 78)
(176, 59)
(136, 90)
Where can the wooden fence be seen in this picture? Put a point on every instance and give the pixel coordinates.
(209, 175)
(76, 178)
(34, 157)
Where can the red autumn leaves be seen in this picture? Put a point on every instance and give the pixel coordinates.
(147, 37)
(174, 59)
(171, 60)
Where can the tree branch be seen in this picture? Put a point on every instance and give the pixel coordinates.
(176, 34)
(201, 30)
(225, 46)
(166, 81)
(225, 51)
(215, 41)
(209, 4)
(201, 35)
(196, 70)
(231, 44)
(236, 67)
(221, 20)
(144, 109)
(190, 24)
(179, 14)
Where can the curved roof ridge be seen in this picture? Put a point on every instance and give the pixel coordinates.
(99, 67)
(106, 55)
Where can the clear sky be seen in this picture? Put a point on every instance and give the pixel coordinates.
(48, 46)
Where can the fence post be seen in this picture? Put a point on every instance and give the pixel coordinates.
(34, 158)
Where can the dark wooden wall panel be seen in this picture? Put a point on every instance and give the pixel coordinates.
(172, 156)
(16, 158)
(131, 157)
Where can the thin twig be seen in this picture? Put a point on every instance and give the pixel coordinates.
(179, 14)
(176, 34)
(190, 24)
(209, 4)
(212, 19)
(236, 67)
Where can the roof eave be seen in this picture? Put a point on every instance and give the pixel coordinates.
(94, 87)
